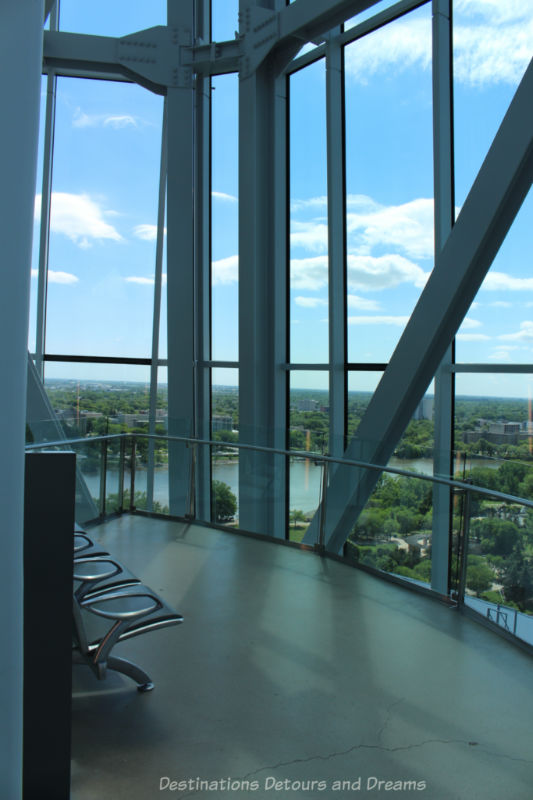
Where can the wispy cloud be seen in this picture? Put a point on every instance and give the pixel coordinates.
(225, 270)
(502, 353)
(362, 303)
(469, 323)
(79, 217)
(310, 302)
(501, 281)
(116, 121)
(492, 44)
(399, 321)
(472, 337)
(56, 276)
(227, 198)
(525, 334)
(407, 227)
(146, 232)
(143, 281)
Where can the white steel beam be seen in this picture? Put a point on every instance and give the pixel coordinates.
(20, 79)
(262, 294)
(487, 214)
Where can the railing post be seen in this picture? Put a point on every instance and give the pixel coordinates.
(132, 473)
(103, 476)
(464, 549)
(121, 458)
(319, 546)
(191, 500)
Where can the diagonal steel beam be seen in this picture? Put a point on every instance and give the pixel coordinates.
(488, 212)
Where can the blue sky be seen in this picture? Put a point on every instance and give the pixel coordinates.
(106, 167)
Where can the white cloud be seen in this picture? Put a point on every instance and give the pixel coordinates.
(146, 232)
(472, 337)
(525, 334)
(362, 303)
(310, 302)
(312, 236)
(120, 121)
(408, 227)
(79, 217)
(380, 320)
(311, 202)
(502, 353)
(366, 273)
(392, 49)
(55, 276)
(383, 272)
(140, 280)
(470, 323)
(501, 304)
(490, 54)
(492, 44)
(223, 196)
(501, 281)
(309, 273)
(225, 270)
(116, 121)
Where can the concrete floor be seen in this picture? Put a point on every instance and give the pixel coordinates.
(293, 668)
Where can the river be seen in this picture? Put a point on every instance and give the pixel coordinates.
(305, 479)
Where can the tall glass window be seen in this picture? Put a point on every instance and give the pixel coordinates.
(103, 219)
(225, 219)
(389, 181)
(309, 334)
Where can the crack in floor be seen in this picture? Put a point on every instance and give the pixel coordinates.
(380, 747)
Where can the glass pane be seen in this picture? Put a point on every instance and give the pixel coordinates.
(32, 327)
(224, 19)
(361, 386)
(225, 219)
(499, 573)
(309, 333)
(494, 431)
(492, 46)
(104, 210)
(118, 18)
(393, 532)
(499, 325)
(225, 459)
(370, 12)
(389, 181)
(308, 431)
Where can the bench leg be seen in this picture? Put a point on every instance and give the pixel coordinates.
(141, 678)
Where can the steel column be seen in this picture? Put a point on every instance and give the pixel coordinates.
(20, 70)
(487, 214)
(158, 278)
(336, 243)
(444, 215)
(202, 269)
(46, 198)
(180, 269)
(262, 294)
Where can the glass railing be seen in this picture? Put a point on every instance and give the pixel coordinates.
(236, 485)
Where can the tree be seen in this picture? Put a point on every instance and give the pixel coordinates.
(223, 502)
(296, 516)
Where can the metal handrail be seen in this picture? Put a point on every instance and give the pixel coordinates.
(440, 479)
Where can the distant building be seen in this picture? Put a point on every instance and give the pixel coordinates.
(306, 404)
(425, 408)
